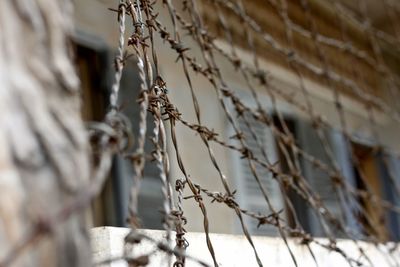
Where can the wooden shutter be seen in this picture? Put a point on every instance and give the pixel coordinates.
(251, 196)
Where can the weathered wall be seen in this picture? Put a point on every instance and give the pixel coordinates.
(44, 158)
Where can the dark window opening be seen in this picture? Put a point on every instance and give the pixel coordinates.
(372, 177)
(95, 70)
(296, 206)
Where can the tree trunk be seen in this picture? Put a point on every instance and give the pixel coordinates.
(43, 147)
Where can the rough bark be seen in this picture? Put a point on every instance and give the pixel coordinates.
(43, 148)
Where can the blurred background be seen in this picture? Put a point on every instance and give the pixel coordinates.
(338, 61)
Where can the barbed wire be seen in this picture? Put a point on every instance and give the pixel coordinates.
(293, 154)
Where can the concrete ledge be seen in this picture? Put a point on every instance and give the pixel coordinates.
(234, 250)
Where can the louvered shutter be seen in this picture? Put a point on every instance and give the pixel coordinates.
(318, 179)
(251, 196)
(342, 153)
(150, 196)
(390, 193)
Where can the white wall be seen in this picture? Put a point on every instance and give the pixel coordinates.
(235, 251)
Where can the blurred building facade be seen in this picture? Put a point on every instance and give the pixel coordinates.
(96, 38)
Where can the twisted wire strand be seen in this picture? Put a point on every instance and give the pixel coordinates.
(119, 59)
(180, 241)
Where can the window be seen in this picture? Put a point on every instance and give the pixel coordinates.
(374, 165)
(334, 151)
(294, 202)
(372, 171)
(319, 180)
(390, 168)
(251, 197)
(94, 66)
